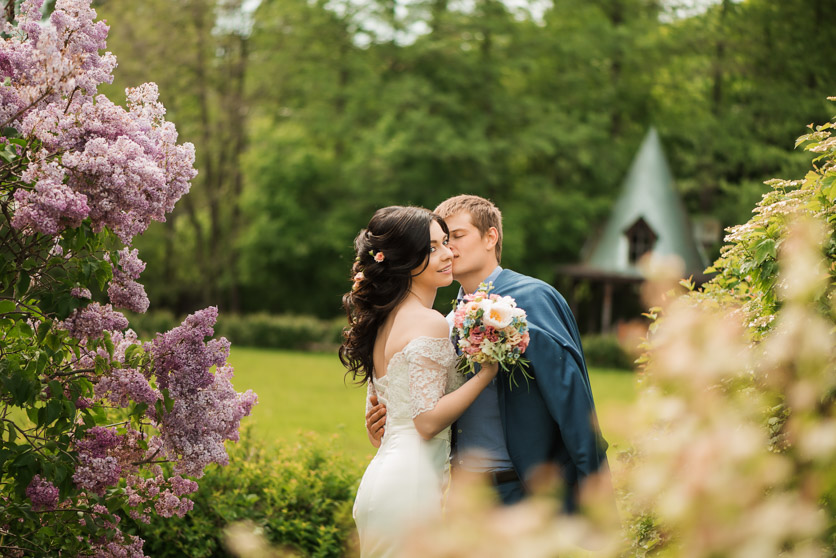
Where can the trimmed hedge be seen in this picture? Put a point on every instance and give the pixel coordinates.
(306, 333)
(279, 331)
(302, 333)
(301, 496)
(604, 351)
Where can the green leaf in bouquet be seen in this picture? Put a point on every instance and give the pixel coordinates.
(521, 365)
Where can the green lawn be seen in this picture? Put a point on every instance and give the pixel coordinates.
(300, 392)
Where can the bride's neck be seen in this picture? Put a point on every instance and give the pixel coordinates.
(426, 297)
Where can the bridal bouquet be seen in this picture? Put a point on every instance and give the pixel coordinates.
(490, 328)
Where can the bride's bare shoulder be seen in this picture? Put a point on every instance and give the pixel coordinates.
(420, 322)
(427, 322)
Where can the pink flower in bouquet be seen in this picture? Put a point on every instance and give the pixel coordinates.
(492, 335)
(458, 318)
(476, 336)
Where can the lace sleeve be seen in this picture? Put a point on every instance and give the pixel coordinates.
(455, 379)
(429, 360)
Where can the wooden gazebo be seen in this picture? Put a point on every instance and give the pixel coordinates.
(648, 217)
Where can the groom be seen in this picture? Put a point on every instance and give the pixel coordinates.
(512, 434)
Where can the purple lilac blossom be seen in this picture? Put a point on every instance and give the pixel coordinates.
(30, 16)
(83, 403)
(126, 293)
(170, 501)
(121, 168)
(51, 205)
(96, 474)
(97, 469)
(116, 546)
(121, 342)
(168, 505)
(119, 547)
(130, 263)
(42, 493)
(182, 486)
(207, 410)
(93, 320)
(124, 290)
(64, 55)
(182, 360)
(194, 432)
(81, 292)
(97, 441)
(124, 386)
(56, 251)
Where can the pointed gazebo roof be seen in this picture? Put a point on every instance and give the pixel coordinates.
(648, 206)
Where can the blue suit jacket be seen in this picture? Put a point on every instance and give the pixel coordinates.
(551, 419)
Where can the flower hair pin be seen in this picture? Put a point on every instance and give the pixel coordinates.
(358, 278)
(378, 256)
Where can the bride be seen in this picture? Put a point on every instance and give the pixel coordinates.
(400, 347)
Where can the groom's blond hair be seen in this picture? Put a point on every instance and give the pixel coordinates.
(483, 214)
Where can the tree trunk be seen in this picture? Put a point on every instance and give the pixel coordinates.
(169, 263)
(238, 107)
(616, 15)
(709, 187)
(719, 62)
(438, 9)
(199, 12)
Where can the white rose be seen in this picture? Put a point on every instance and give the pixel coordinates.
(509, 300)
(498, 315)
(517, 313)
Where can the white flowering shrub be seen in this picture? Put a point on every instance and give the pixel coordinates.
(737, 413)
(736, 429)
(94, 425)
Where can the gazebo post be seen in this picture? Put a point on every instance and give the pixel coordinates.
(573, 299)
(606, 308)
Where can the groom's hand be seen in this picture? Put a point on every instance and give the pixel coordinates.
(376, 421)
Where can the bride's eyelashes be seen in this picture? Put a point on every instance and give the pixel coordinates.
(444, 242)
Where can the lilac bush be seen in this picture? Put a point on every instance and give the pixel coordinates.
(96, 426)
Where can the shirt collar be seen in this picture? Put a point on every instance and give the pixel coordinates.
(489, 279)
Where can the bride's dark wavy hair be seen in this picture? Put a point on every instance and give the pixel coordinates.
(402, 236)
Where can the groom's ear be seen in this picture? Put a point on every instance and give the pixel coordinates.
(491, 237)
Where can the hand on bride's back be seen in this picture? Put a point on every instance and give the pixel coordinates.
(376, 421)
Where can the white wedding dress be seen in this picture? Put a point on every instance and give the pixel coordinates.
(404, 484)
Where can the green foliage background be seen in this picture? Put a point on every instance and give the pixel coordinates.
(308, 115)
